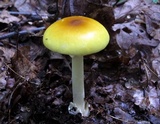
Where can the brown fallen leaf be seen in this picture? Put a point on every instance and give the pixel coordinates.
(22, 64)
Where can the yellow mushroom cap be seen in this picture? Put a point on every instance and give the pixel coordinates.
(76, 35)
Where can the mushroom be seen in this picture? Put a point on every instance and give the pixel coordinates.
(76, 36)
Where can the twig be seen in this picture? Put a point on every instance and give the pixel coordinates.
(41, 16)
(126, 121)
(11, 34)
(22, 77)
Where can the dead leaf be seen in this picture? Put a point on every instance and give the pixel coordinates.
(5, 17)
(153, 97)
(31, 6)
(8, 53)
(131, 33)
(122, 115)
(148, 100)
(131, 6)
(152, 20)
(4, 4)
(22, 64)
(135, 15)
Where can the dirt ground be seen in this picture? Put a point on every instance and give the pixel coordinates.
(122, 82)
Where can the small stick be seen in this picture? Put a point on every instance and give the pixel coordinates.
(11, 34)
(29, 14)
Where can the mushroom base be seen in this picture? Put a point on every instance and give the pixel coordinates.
(84, 109)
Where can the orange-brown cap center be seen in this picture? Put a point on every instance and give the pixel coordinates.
(75, 22)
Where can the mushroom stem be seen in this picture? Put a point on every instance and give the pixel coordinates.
(77, 81)
(78, 88)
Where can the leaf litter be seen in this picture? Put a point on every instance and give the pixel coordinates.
(122, 82)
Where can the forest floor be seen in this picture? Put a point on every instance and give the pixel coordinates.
(122, 82)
